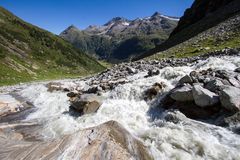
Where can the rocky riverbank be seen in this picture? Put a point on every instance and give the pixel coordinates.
(131, 111)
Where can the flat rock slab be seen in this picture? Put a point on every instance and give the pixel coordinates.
(9, 105)
(108, 141)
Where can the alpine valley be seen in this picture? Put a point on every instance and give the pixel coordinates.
(121, 39)
(177, 96)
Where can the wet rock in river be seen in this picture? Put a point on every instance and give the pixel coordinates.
(72, 94)
(182, 94)
(230, 98)
(86, 103)
(229, 121)
(186, 79)
(203, 97)
(131, 70)
(154, 90)
(152, 73)
(91, 90)
(174, 116)
(12, 106)
(57, 86)
(54, 86)
(237, 70)
(191, 110)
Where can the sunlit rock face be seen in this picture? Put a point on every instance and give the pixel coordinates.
(203, 8)
(107, 141)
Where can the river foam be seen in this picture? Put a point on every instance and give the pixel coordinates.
(188, 139)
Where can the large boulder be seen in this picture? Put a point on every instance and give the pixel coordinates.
(108, 141)
(182, 94)
(203, 97)
(87, 103)
(191, 110)
(152, 73)
(186, 79)
(230, 98)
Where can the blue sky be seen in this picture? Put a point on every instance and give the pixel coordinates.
(56, 15)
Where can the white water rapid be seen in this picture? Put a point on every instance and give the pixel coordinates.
(186, 140)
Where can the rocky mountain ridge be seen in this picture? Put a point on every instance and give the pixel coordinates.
(113, 39)
(121, 26)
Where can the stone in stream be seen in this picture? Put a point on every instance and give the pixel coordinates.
(86, 103)
(72, 94)
(152, 73)
(10, 106)
(131, 70)
(186, 79)
(230, 98)
(93, 90)
(203, 97)
(229, 121)
(175, 116)
(57, 86)
(105, 86)
(54, 86)
(237, 70)
(182, 94)
(154, 90)
(108, 141)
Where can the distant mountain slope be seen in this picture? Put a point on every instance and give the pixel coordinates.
(30, 53)
(120, 38)
(203, 15)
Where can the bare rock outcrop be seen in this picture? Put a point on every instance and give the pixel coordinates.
(107, 141)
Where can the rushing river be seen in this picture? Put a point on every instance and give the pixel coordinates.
(188, 139)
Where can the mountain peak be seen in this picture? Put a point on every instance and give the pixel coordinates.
(72, 27)
(69, 29)
(156, 14)
(116, 20)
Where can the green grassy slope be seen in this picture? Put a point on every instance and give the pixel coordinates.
(29, 53)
